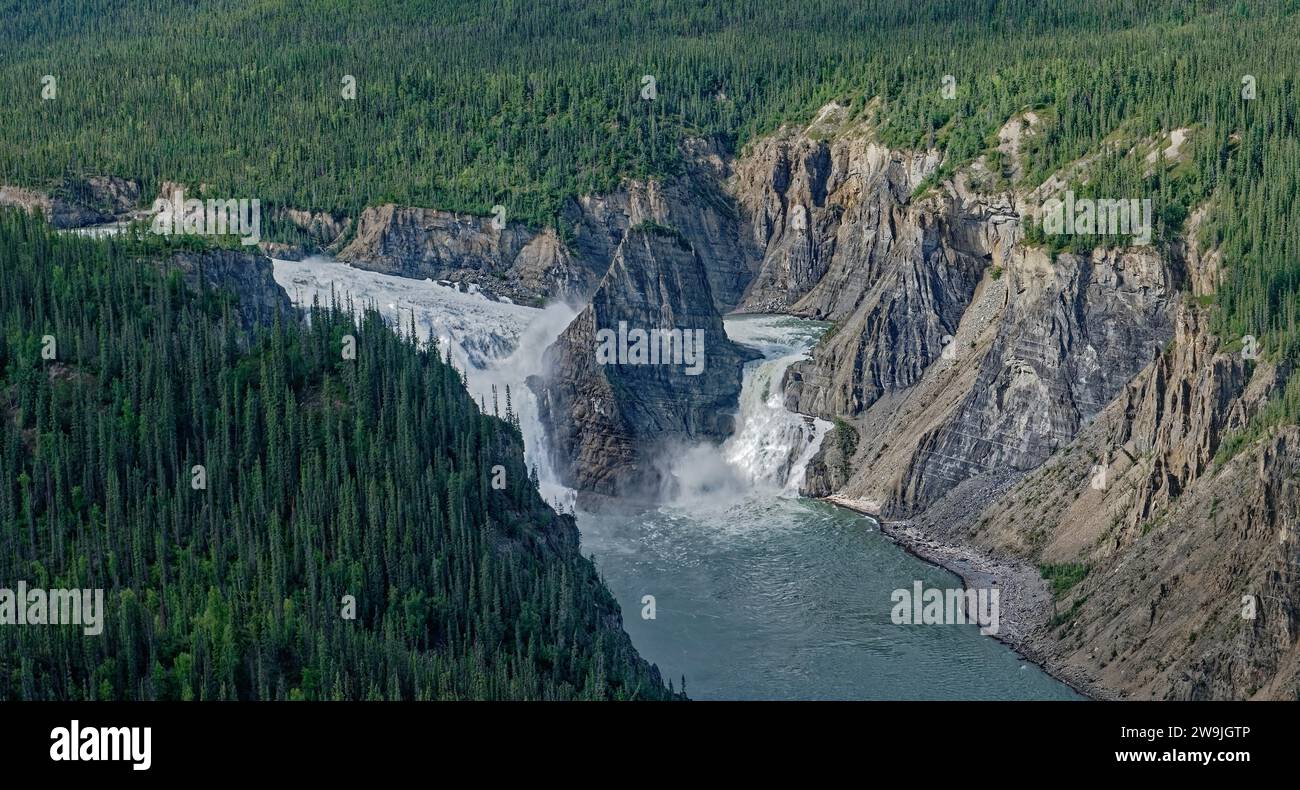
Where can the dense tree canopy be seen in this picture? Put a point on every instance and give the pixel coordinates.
(466, 105)
(323, 477)
(233, 591)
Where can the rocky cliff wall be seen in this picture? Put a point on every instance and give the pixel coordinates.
(1068, 416)
(611, 421)
(248, 278)
(77, 202)
(508, 259)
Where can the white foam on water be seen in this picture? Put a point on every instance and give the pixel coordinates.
(769, 452)
(494, 343)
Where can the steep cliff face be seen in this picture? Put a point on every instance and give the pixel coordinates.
(323, 228)
(1057, 410)
(1068, 338)
(610, 421)
(426, 243)
(695, 206)
(957, 351)
(533, 266)
(247, 277)
(825, 206)
(844, 242)
(1172, 542)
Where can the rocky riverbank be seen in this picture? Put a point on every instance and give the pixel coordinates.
(1025, 600)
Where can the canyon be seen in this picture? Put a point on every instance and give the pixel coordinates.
(1034, 411)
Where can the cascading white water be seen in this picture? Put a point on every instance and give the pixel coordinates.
(512, 372)
(771, 447)
(760, 594)
(495, 343)
(500, 344)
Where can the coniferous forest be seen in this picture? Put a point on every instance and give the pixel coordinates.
(322, 477)
(328, 477)
(465, 106)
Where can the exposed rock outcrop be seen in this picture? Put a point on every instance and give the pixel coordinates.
(824, 212)
(438, 245)
(895, 277)
(247, 277)
(1191, 589)
(697, 205)
(77, 202)
(531, 266)
(957, 349)
(610, 423)
(1069, 337)
(323, 228)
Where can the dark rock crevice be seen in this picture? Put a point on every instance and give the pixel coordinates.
(610, 423)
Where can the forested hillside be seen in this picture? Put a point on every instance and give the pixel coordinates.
(464, 106)
(337, 105)
(322, 477)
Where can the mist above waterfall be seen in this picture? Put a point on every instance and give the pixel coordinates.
(498, 345)
(769, 452)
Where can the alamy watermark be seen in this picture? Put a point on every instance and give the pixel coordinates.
(1097, 216)
(94, 744)
(937, 606)
(651, 347)
(36, 606)
(176, 214)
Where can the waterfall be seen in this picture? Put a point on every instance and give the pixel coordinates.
(494, 343)
(500, 344)
(513, 371)
(772, 445)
